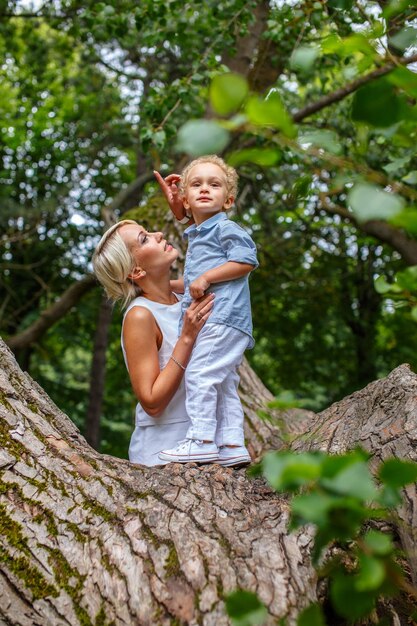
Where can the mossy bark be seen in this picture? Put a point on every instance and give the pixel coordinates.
(91, 539)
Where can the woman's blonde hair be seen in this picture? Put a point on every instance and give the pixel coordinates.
(112, 264)
(230, 172)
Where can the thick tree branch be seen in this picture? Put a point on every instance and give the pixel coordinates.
(50, 316)
(123, 197)
(341, 93)
(99, 538)
(382, 231)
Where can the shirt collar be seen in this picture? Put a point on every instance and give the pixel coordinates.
(212, 221)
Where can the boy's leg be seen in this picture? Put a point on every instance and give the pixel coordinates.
(203, 374)
(207, 369)
(217, 353)
(230, 414)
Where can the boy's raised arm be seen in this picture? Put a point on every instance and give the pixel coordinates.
(169, 187)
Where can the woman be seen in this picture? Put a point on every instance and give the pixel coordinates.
(133, 266)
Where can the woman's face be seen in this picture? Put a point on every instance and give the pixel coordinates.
(150, 250)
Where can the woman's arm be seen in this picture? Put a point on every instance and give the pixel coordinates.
(142, 338)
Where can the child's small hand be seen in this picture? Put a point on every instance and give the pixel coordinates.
(198, 287)
(170, 190)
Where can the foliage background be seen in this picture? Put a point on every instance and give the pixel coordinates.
(95, 95)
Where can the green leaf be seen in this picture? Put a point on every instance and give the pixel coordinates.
(311, 616)
(405, 79)
(303, 58)
(395, 7)
(414, 313)
(396, 164)
(335, 463)
(289, 470)
(370, 202)
(265, 157)
(198, 137)
(397, 473)
(326, 139)
(348, 601)
(245, 609)
(405, 38)
(407, 218)
(377, 104)
(333, 44)
(270, 112)
(390, 497)
(342, 5)
(371, 573)
(407, 279)
(410, 178)
(355, 480)
(284, 400)
(383, 287)
(312, 508)
(227, 93)
(378, 542)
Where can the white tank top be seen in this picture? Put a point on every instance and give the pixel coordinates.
(167, 317)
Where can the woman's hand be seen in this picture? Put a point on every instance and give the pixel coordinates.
(196, 316)
(170, 190)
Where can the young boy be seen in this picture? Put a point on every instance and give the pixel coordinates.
(219, 258)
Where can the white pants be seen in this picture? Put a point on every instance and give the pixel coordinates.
(211, 382)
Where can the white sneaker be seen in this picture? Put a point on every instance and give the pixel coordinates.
(229, 457)
(191, 450)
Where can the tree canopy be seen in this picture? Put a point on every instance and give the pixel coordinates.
(313, 102)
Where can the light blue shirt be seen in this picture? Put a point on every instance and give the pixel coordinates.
(212, 243)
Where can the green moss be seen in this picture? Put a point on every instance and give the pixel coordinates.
(99, 510)
(220, 589)
(65, 575)
(101, 618)
(51, 527)
(224, 543)
(147, 532)
(94, 464)
(57, 484)
(20, 565)
(44, 514)
(40, 486)
(13, 446)
(4, 401)
(11, 529)
(78, 534)
(105, 559)
(206, 567)
(172, 563)
(32, 406)
(33, 579)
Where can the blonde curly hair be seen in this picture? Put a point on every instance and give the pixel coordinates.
(230, 172)
(112, 264)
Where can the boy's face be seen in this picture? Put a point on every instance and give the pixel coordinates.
(206, 192)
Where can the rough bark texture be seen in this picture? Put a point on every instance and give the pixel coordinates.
(90, 539)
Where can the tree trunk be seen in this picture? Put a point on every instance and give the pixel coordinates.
(90, 539)
(98, 374)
